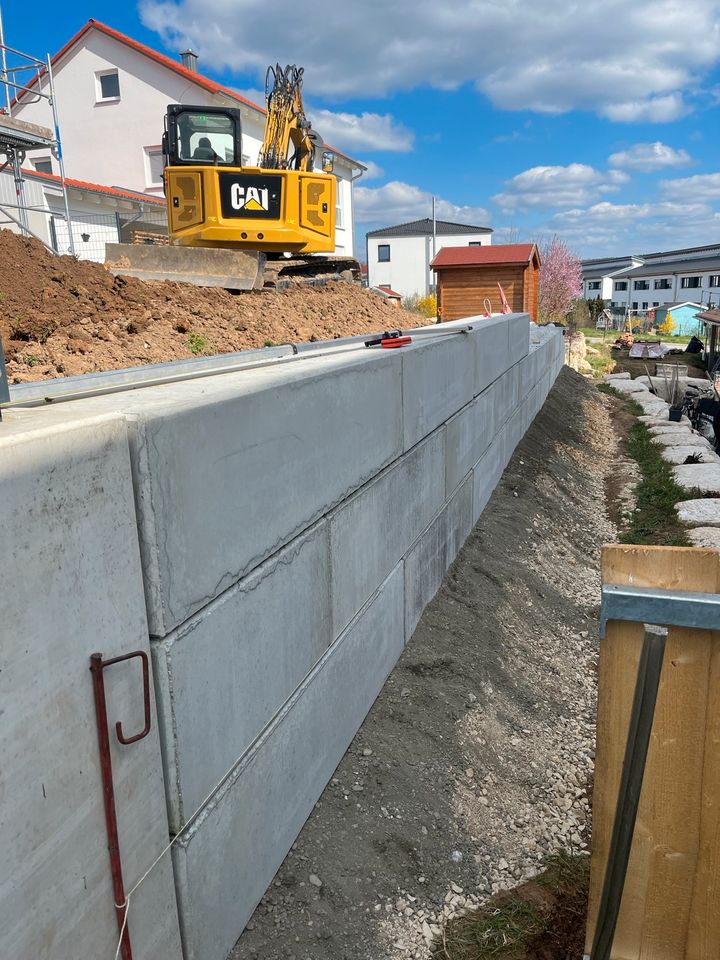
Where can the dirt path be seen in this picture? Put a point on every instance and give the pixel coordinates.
(474, 761)
(62, 317)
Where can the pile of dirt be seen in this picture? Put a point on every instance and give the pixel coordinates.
(473, 765)
(61, 316)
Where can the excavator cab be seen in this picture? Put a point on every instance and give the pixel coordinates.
(215, 201)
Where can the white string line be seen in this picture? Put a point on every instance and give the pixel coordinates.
(188, 823)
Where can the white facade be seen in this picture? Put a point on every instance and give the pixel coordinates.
(403, 262)
(641, 283)
(116, 140)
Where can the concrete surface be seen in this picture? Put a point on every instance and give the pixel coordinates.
(447, 364)
(374, 529)
(705, 537)
(668, 428)
(682, 439)
(71, 586)
(703, 513)
(227, 858)
(628, 386)
(492, 351)
(661, 418)
(429, 558)
(698, 476)
(228, 670)
(679, 454)
(468, 434)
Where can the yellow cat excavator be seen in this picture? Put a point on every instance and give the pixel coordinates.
(236, 226)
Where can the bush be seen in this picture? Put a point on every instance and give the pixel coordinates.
(425, 306)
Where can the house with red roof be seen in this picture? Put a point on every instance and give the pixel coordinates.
(112, 93)
(399, 257)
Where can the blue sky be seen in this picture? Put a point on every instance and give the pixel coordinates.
(592, 121)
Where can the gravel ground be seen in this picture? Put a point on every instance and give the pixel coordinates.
(474, 762)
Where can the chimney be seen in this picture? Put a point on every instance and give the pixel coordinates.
(189, 60)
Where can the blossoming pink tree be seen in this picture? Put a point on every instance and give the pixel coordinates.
(560, 281)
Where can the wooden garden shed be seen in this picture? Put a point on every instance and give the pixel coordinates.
(468, 276)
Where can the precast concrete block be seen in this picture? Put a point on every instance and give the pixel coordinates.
(437, 380)
(467, 435)
(431, 555)
(519, 335)
(230, 468)
(373, 530)
(491, 342)
(227, 671)
(71, 586)
(228, 857)
(514, 431)
(487, 472)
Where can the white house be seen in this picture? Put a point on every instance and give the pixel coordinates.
(112, 94)
(640, 283)
(399, 257)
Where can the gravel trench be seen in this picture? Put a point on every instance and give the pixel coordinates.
(475, 760)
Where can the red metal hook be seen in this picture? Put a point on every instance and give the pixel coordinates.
(97, 665)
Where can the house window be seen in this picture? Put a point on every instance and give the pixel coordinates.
(641, 285)
(594, 285)
(621, 284)
(154, 166)
(383, 253)
(714, 280)
(474, 243)
(656, 303)
(107, 85)
(687, 282)
(645, 306)
(634, 305)
(662, 284)
(44, 165)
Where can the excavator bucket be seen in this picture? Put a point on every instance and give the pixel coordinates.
(201, 266)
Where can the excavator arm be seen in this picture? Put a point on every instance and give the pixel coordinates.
(286, 126)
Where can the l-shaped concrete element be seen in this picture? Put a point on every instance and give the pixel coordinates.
(294, 520)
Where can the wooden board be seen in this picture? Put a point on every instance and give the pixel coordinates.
(462, 291)
(671, 906)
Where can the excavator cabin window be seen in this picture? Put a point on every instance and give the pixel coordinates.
(203, 136)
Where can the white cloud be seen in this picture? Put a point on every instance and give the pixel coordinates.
(649, 156)
(613, 229)
(701, 188)
(363, 131)
(373, 172)
(576, 183)
(628, 62)
(398, 202)
(351, 131)
(650, 110)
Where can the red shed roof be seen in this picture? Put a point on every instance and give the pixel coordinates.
(476, 256)
(205, 82)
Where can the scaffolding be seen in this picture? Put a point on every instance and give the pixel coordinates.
(18, 136)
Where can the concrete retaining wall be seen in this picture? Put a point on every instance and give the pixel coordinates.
(70, 585)
(293, 523)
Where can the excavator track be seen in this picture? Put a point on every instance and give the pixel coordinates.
(312, 269)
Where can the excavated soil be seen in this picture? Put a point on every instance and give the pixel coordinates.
(60, 316)
(473, 765)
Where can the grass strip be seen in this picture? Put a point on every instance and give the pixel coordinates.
(543, 917)
(654, 519)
